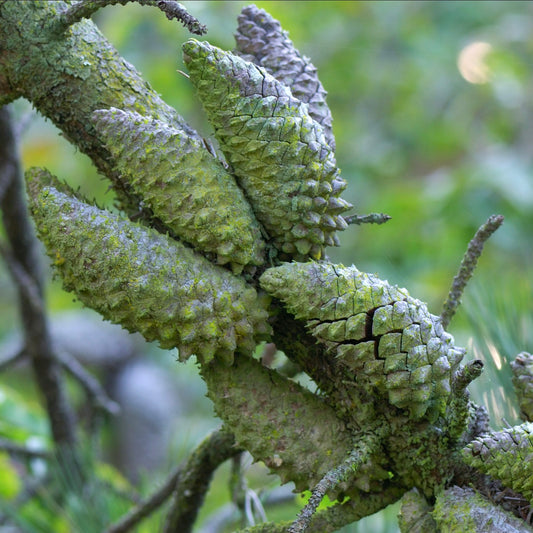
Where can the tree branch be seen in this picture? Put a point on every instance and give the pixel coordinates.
(466, 269)
(146, 507)
(195, 478)
(335, 517)
(86, 8)
(77, 75)
(24, 265)
(17, 449)
(89, 383)
(12, 359)
(457, 410)
(188, 482)
(335, 476)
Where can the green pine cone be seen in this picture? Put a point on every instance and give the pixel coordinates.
(522, 368)
(278, 152)
(383, 337)
(261, 40)
(464, 510)
(505, 455)
(143, 280)
(184, 186)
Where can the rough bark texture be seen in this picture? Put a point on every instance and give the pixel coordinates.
(25, 262)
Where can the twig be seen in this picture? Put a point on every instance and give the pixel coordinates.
(458, 408)
(148, 506)
(12, 359)
(23, 262)
(359, 505)
(225, 515)
(372, 218)
(195, 479)
(89, 383)
(24, 451)
(86, 8)
(184, 481)
(465, 375)
(237, 483)
(352, 463)
(24, 281)
(466, 269)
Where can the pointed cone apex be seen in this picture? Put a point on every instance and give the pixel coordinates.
(261, 40)
(144, 280)
(274, 164)
(183, 184)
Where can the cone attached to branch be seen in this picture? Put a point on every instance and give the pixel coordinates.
(385, 338)
(522, 368)
(278, 152)
(261, 40)
(184, 185)
(505, 455)
(143, 280)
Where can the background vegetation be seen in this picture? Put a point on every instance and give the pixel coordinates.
(437, 143)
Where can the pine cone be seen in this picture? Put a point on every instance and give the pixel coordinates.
(522, 368)
(464, 510)
(144, 280)
(505, 455)
(386, 339)
(184, 186)
(261, 40)
(278, 152)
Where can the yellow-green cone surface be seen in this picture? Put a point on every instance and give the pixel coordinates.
(278, 152)
(522, 368)
(506, 455)
(385, 338)
(184, 185)
(143, 280)
(261, 40)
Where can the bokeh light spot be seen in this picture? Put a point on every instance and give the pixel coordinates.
(471, 62)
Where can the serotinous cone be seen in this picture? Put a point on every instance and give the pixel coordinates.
(279, 154)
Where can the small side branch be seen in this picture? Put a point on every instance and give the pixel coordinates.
(465, 375)
(189, 482)
(22, 451)
(333, 518)
(466, 269)
(12, 360)
(372, 218)
(341, 473)
(24, 281)
(458, 408)
(171, 8)
(23, 262)
(146, 507)
(195, 478)
(89, 383)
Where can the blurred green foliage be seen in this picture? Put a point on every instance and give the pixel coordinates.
(415, 140)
